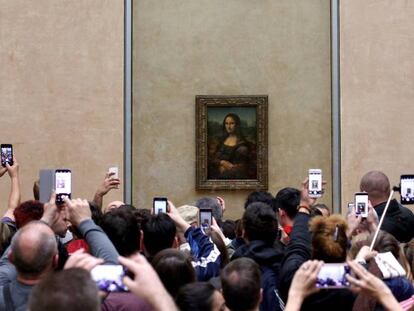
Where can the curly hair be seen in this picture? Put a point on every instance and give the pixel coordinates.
(329, 240)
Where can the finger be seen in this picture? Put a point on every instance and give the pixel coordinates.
(92, 262)
(357, 268)
(52, 199)
(131, 265)
(128, 282)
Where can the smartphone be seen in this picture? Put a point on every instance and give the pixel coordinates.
(6, 154)
(333, 275)
(108, 278)
(159, 205)
(315, 183)
(114, 171)
(361, 204)
(63, 184)
(407, 189)
(205, 218)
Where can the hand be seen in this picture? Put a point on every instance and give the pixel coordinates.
(80, 259)
(51, 211)
(303, 283)
(216, 228)
(372, 219)
(284, 237)
(146, 283)
(78, 211)
(13, 170)
(366, 282)
(108, 184)
(353, 223)
(365, 254)
(222, 204)
(180, 223)
(3, 170)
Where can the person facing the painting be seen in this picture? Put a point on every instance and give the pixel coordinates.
(230, 155)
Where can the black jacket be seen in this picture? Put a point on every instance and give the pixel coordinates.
(399, 220)
(268, 258)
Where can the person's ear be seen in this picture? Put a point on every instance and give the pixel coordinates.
(10, 256)
(175, 243)
(55, 261)
(141, 241)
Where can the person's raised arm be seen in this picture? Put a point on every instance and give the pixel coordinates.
(80, 216)
(14, 197)
(108, 184)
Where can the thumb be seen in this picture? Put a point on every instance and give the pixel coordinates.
(128, 282)
(52, 199)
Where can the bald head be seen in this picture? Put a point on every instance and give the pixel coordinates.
(377, 185)
(33, 249)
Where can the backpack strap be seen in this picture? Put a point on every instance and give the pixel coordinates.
(8, 300)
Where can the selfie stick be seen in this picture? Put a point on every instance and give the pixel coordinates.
(381, 220)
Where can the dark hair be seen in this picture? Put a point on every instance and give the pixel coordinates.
(241, 284)
(71, 290)
(386, 242)
(320, 206)
(229, 229)
(96, 212)
(28, 211)
(141, 215)
(121, 227)
(159, 233)
(195, 297)
(329, 240)
(288, 200)
(260, 222)
(44, 248)
(174, 269)
(215, 206)
(260, 196)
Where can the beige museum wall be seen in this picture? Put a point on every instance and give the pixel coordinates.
(185, 48)
(377, 90)
(61, 89)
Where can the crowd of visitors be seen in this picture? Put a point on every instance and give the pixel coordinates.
(285, 253)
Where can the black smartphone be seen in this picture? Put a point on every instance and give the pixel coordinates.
(315, 183)
(6, 154)
(361, 204)
(108, 278)
(205, 218)
(159, 205)
(407, 189)
(333, 275)
(63, 184)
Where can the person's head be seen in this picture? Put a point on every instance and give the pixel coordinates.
(200, 296)
(286, 202)
(141, 215)
(213, 203)
(323, 209)
(121, 227)
(5, 237)
(229, 229)
(260, 223)
(386, 242)
(34, 250)
(112, 205)
(329, 240)
(174, 269)
(377, 185)
(158, 234)
(27, 211)
(260, 196)
(231, 124)
(240, 281)
(70, 290)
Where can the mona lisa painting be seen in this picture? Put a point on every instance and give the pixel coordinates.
(231, 142)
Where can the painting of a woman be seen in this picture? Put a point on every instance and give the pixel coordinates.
(230, 154)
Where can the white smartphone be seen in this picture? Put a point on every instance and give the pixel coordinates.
(315, 183)
(361, 204)
(159, 205)
(333, 275)
(113, 170)
(63, 184)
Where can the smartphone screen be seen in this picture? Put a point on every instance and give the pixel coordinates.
(315, 183)
(333, 276)
(63, 184)
(205, 218)
(6, 154)
(108, 278)
(407, 189)
(361, 204)
(114, 171)
(159, 205)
